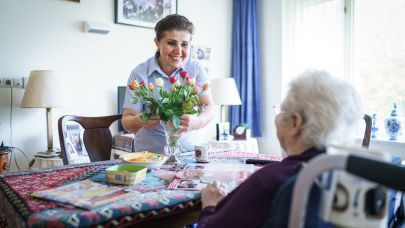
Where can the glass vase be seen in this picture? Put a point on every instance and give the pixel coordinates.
(172, 147)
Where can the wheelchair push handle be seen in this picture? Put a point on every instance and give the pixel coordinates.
(384, 173)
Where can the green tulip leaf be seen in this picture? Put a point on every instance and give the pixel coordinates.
(169, 112)
(134, 100)
(176, 122)
(164, 118)
(165, 101)
(145, 116)
(178, 112)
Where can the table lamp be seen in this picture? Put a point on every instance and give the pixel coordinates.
(224, 92)
(46, 89)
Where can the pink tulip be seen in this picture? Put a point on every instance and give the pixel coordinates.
(188, 80)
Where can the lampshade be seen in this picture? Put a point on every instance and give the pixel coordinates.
(224, 91)
(46, 89)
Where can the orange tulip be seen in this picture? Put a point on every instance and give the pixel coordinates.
(151, 86)
(134, 84)
(205, 86)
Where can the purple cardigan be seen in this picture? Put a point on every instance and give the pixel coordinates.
(249, 204)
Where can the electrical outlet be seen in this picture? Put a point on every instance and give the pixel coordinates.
(8, 82)
(18, 83)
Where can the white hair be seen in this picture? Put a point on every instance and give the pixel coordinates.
(330, 108)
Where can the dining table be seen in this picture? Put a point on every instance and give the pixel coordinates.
(152, 204)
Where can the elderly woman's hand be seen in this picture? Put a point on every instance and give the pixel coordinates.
(212, 194)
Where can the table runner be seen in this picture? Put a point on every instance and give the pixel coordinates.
(151, 199)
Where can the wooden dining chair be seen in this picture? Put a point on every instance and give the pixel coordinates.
(97, 137)
(367, 131)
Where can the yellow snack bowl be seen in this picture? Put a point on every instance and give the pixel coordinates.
(145, 158)
(128, 174)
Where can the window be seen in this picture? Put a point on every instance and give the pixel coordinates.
(314, 37)
(362, 41)
(379, 53)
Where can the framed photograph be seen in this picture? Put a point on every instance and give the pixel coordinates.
(75, 150)
(143, 13)
(202, 54)
(223, 131)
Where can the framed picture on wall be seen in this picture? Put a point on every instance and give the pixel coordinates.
(143, 13)
(202, 54)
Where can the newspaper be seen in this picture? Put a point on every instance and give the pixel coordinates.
(194, 177)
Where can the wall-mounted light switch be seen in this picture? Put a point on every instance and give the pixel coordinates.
(18, 83)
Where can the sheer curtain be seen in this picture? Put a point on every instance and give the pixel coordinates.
(314, 37)
(245, 65)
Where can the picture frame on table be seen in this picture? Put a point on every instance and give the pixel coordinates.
(143, 13)
(75, 149)
(223, 131)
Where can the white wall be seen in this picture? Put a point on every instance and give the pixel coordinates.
(270, 30)
(47, 34)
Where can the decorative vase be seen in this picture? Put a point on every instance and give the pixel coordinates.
(374, 128)
(393, 124)
(172, 147)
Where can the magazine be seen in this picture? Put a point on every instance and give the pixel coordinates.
(85, 194)
(197, 176)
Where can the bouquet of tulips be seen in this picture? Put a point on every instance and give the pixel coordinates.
(182, 98)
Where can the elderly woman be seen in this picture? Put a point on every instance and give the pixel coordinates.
(318, 110)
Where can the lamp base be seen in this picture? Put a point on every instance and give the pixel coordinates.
(48, 154)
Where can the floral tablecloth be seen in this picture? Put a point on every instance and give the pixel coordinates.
(151, 199)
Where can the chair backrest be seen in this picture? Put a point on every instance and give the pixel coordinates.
(97, 137)
(367, 131)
